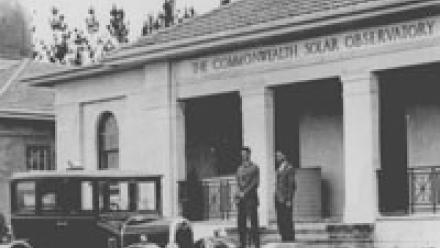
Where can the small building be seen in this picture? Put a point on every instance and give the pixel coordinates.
(347, 88)
(27, 122)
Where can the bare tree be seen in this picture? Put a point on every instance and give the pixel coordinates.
(78, 47)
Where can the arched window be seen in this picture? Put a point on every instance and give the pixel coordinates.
(108, 142)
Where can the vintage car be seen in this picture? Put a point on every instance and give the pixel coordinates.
(96, 209)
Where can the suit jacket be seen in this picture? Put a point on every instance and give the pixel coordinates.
(285, 185)
(248, 180)
(3, 226)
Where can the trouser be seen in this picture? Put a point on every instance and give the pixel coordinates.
(246, 211)
(285, 221)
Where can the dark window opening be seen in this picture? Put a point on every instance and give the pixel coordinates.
(39, 157)
(108, 142)
(213, 135)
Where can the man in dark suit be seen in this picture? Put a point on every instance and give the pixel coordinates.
(248, 179)
(3, 228)
(284, 192)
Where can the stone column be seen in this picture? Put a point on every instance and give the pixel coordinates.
(163, 131)
(361, 146)
(258, 134)
(178, 158)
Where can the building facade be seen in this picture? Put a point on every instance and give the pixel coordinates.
(347, 88)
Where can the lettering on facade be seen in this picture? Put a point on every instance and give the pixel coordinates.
(239, 59)
(319, 46)
(389, 34)
(322, 45)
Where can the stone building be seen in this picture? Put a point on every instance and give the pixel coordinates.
(347, 88)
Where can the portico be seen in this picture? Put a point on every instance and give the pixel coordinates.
(359, 76)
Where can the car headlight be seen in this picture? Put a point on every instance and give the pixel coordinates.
(111, 242)
(220, 232)
(143, 238)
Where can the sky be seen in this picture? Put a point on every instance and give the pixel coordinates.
(75, 12)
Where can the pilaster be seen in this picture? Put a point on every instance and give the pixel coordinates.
(258, 133)
(361, 146)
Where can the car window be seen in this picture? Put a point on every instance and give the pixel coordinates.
(25, 196)
(86, 196)
(118, 193)
(146, 196)
(49, 195)
(114, 196)
(48, 201)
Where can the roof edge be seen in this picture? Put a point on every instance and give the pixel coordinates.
(60, 72)
(261, 27)
(27, 114)
(222, 39)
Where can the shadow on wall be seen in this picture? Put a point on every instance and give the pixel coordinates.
(193, 206)
(325, 198)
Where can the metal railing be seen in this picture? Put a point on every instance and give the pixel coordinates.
(424, 189)
(420, 193)
(217, 197)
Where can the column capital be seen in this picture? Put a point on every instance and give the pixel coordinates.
(359, 83)
(357, 75)
(255, 91)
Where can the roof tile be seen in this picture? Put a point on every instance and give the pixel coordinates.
(6, 73)
(240, 14)
(22, 96)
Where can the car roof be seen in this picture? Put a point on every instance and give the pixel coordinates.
(86, 174)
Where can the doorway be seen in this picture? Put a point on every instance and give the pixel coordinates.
(213, 141)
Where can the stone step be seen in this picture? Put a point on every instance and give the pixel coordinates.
(310, 228)
(308, 239)
(322, 234)
(321, 245)
(319, 233)
(299, 236)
